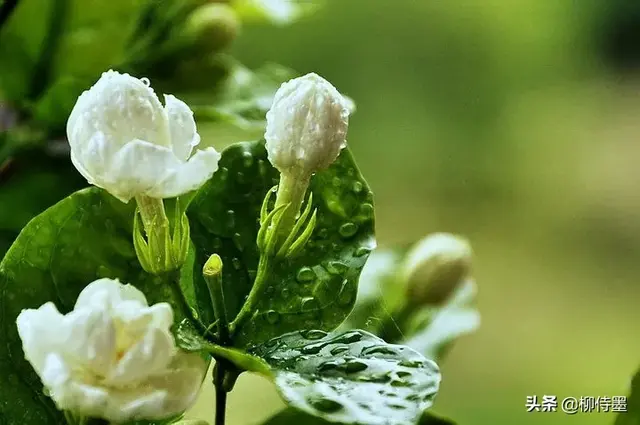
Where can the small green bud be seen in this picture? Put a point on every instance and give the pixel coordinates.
(435, 267)
(212, 27)
(212, 273)
(213, 267)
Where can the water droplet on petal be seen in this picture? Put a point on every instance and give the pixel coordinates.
(411, 363)
(348, 230)
(306, 275)
(324, 404)
(355, 366)
(339, 349)
(330, 365)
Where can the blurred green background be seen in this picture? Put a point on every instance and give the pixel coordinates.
(515, 123)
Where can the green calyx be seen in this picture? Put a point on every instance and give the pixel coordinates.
(159, 250)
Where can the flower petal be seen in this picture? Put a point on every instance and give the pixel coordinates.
(138, 167)
(39, 331)
(189, 175)
(182, 126)
(110, 291)
(121, 107)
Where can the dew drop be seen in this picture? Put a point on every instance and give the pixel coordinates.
(403, 374)
(262, 167)
(348, 338)
(411, 363)
(241, 178)
(313, 334)
(313, 348)
(272, 317)
(348, 230)
(237, 241)
(357, 187)
(286, 292)
(361, 252)
(355, 366)
(222, 173)
(306, 275)
(310, 304)
(400, 383)
(231, 219)
(346, 294)
(217, 243)
(379, 349)
(336, 267)
(237, 264)
(324, 404)
(339, 349)
(270, 290)
(330, 365)
(366, 210)
(145, 81)
(247, 159)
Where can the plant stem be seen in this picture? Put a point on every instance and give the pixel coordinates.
(221, 393)
(291, 190)
(254, 296)
(212, 273)
(183, 304)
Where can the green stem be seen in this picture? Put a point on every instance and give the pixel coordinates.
(254, 296)
(212, 273)
(221, 393)
(183, 304)
(156, 226)
(291, 190)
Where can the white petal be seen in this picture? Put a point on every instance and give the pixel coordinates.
(149, 356)
(184, 136)
(121, 107)
(39, 331)
(109, 291)
(189, 176)
(138, 167)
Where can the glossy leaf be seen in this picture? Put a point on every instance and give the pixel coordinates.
(291, 416)
(632, 415)
(352, 378)
(82, 238)
(314, 290)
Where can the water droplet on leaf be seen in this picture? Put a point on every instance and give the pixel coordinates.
(247, 159)
(357, 187)
(272, 316)
(306, 275)
(361, 252)
(347, 338)
(313, 348)
(313, 334)
(237, 264)
(366, 211)
(231, 219)
(336, 267)
(348, 230)
(310, 304)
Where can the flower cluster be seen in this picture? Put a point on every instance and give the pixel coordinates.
(114, 356)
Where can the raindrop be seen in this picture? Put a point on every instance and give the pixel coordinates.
(231, 219)
(411, 363)
(324, 404)
(313, 334)
(400, 383)
(336, 267)
(379, 349)
(237, 241)
(313, 348)
(270, 290)
(403, 374)
(396, 406)
(366, 210)
(217, 243)
(241, 178)
(357, 187)
(262, 167)
(361, 252)
(145, 81)
(346, 295)
(222, 173)
(272, 316)
(286, 292)
(355, 366)
(237, 264)
(330, 365)
(339, 349)
(306, 275)
(247, 159)
(348, 338)
(414, 397)
(310, 304)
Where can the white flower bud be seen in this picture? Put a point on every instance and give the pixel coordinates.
(306, 126)
(123, 140)
(112, 357)
(435, 267)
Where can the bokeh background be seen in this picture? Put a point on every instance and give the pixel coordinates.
(517, 124)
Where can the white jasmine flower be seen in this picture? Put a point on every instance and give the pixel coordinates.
(112, 357)
(306, 125)
(123, 140)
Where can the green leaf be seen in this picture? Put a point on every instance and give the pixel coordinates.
(190, 340)
(632, 415)
(351, 378)
(317, 289)
(242, 98)
(291, 416)
(84, 237)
